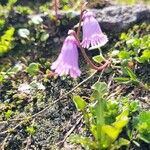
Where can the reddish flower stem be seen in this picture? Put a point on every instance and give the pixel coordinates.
(93, 66)
(56, 7)
(80, 21)
(99, 68)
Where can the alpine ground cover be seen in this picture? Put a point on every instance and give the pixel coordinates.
(38, 107)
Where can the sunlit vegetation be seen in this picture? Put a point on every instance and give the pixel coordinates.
(62, 91)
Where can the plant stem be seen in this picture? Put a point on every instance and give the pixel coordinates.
(100, 120)
(98, 68)
(56, 7)
(81, 15)
(90, 62)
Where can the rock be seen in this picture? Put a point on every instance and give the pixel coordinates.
(113, 19)
(117, 18)
(98, 3)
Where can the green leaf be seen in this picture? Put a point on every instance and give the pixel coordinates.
(135, 42)
(23, 10)
(122, 79)
(122, 119)
(119, 143)
(134, 106)
(145, 117)
(2, 22)
(8, 114)
(121, 123)
(1, 78)
(86, 142)
(143, 126)
(31, 130)
(124, 54)
(33, 68)
(100, 89)
(115, 129)
(123, 142)
(66, 7)
(98, 58)
(146, 54)
(111, 131)
(80, 103)
(123, 36)
(140, 59)
(145, 138)
(6, 41)
(131, 73)
(144, 57)
(12, 2)
(93, 131)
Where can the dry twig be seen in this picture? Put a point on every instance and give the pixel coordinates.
(70, 131)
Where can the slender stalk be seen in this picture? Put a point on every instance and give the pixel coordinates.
(83, 6)
(80, 21)
(100, 120)
(90, 62)
(56, 7)
(99, 68)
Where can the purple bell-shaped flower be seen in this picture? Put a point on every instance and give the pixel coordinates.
(67, 61)
(92, 33)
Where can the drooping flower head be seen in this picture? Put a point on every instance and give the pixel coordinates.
(92, 33)
(67, 61)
